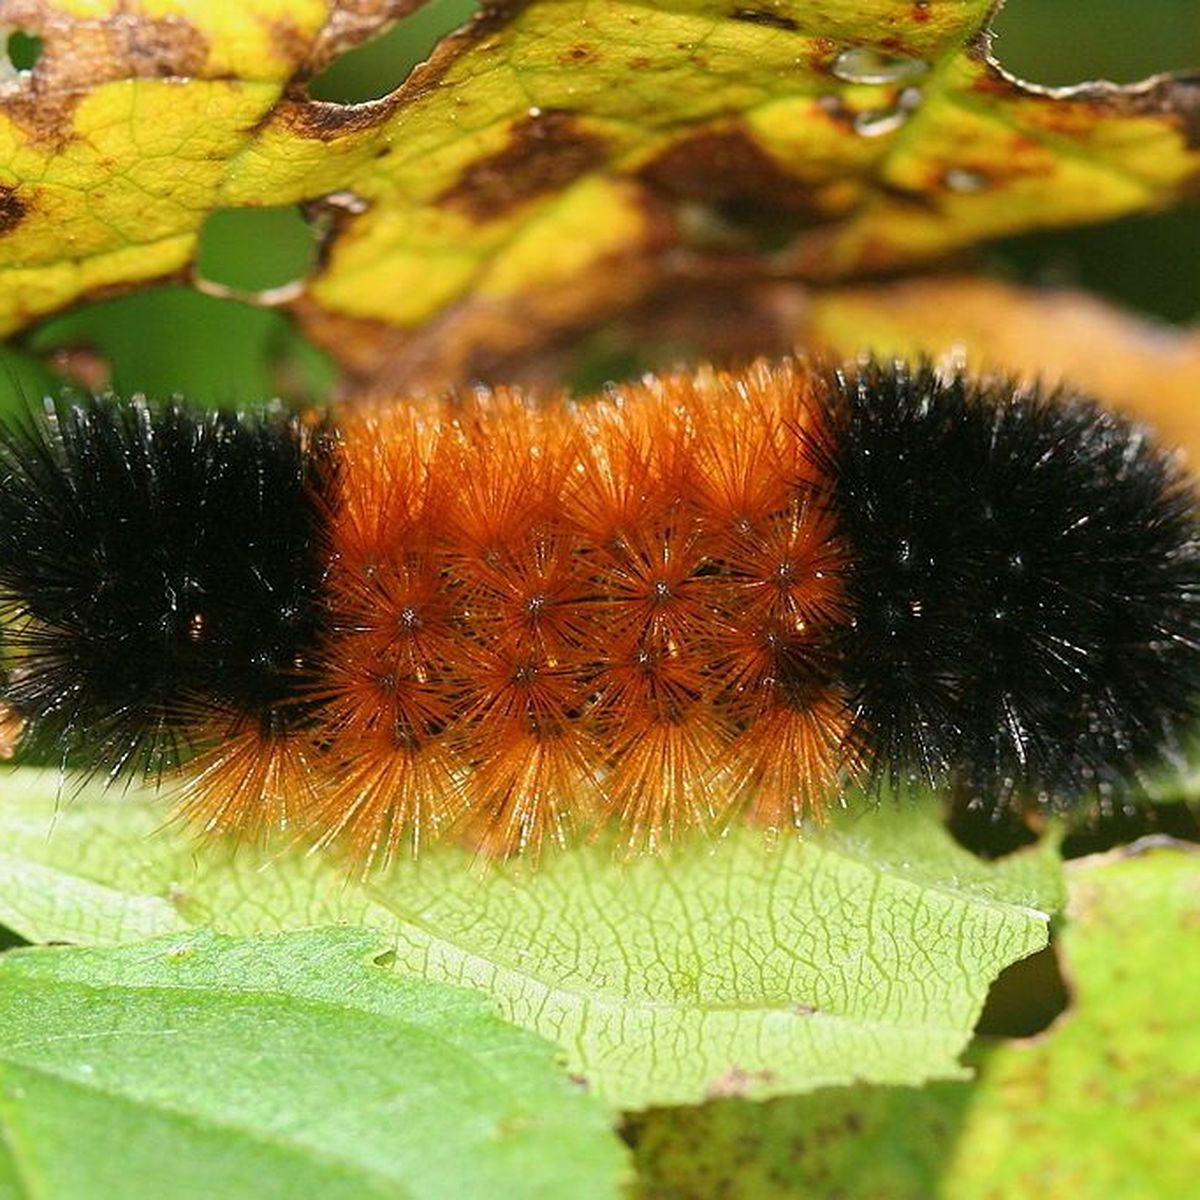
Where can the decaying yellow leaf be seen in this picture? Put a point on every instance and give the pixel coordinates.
(554, 163)
(1148, 370)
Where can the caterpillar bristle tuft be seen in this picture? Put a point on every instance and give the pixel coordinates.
(699, 598)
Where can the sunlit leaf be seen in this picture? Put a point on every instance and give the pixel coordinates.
(553, 164)
(864, 951)
(1105, 1102)
(279, 1066)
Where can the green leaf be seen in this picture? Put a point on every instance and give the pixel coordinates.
(864, 951)
(1108, 1102)
(279, 1066)
(861, 1143)
(1105, 1103)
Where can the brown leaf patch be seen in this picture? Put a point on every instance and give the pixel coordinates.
(545, 152)
(736, 1083)
(326, 121)
(764, 16)
(724, 167)
(12, 209)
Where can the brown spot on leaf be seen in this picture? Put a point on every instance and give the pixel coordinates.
(727, 169)
(80, 54)
(579, 55)
(43, 118)
(544, 154)
(485, 340)
(1076, 111)
(290, 41)
(762, 16)
(1184, 104)
(326, 121)
(328, 217)
(736, 1083)
(163, 47)
(1079, 111)
(12, 209)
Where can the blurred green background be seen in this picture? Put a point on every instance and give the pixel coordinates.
(173, 340)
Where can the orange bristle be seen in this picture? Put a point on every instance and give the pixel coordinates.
(253, 782)
(502, 466)
(547, 617)
(632, 464)
(389, 790)
(520, 728)
(651, 585)
(667, 775)
(389, 452)
(785, 764)
(532, 595)
(666, 744)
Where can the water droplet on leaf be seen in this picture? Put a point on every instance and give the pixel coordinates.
(861, 64)
(959, 179)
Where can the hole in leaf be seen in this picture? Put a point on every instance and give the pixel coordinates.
(987, 831)
(23, 50)
(10, 940)
(1026, 997)
(253, 249)
(1108, 830)
(173, 340)
(379, 66)
(1071, 41)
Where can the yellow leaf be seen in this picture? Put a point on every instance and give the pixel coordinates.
(1148, 370)
(555, 163)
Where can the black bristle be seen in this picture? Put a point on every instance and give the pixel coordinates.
(1025, 581)
(154, 561)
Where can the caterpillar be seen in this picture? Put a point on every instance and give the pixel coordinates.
(699, 597)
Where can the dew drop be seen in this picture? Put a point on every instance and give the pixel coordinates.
(959, 179)
(861, 64)
(876, 122)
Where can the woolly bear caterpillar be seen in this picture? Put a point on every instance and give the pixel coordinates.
(695, 597)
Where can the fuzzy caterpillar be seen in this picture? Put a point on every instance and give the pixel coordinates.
(695, 598)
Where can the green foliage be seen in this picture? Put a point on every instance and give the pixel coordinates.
(202, 1066)
(1104, 1104)
(862, 952)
